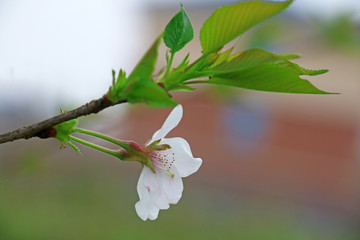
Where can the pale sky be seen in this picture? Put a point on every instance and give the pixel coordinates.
(326, 8)
(65, 49)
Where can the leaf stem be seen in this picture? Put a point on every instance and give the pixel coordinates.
(97, 147)
(170, 62)
(122, 143)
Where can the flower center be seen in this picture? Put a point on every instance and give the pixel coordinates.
(162, 160)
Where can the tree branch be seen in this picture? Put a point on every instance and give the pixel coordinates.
(45, 128)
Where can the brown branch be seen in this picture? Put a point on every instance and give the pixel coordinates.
(45, 128)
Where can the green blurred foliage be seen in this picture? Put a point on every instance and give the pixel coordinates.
(341, 31)
(31, 163)
(269, 33)
(94, 198)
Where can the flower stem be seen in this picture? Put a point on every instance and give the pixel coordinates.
(121, 143)
(97, 147)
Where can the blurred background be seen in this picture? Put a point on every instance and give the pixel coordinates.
(275, 166)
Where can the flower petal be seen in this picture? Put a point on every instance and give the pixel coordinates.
(185, 163)
(171, 121)
(172, 186)
(145, 209)
(153, 185)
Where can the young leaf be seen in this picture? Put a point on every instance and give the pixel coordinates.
(228, 22)
(145, 67)
(200, 67)
(268, 77)
(128, 87)
(222, 57)
(147, 91)
(173, 77)
(178, 32)
(116, 91)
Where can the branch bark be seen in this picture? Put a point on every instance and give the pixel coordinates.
(45, 128)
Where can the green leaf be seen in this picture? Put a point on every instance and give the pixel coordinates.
(258, 69)
(145, 68)
(147, 91)
(268, 77)
(178, 32)
(257, 56)
(228, 22)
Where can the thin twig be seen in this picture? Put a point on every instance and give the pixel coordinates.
(45, 128)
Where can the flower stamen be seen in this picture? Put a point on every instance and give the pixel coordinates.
(162, 160)
(167, 170)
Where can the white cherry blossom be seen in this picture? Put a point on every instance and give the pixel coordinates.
(171, 159)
